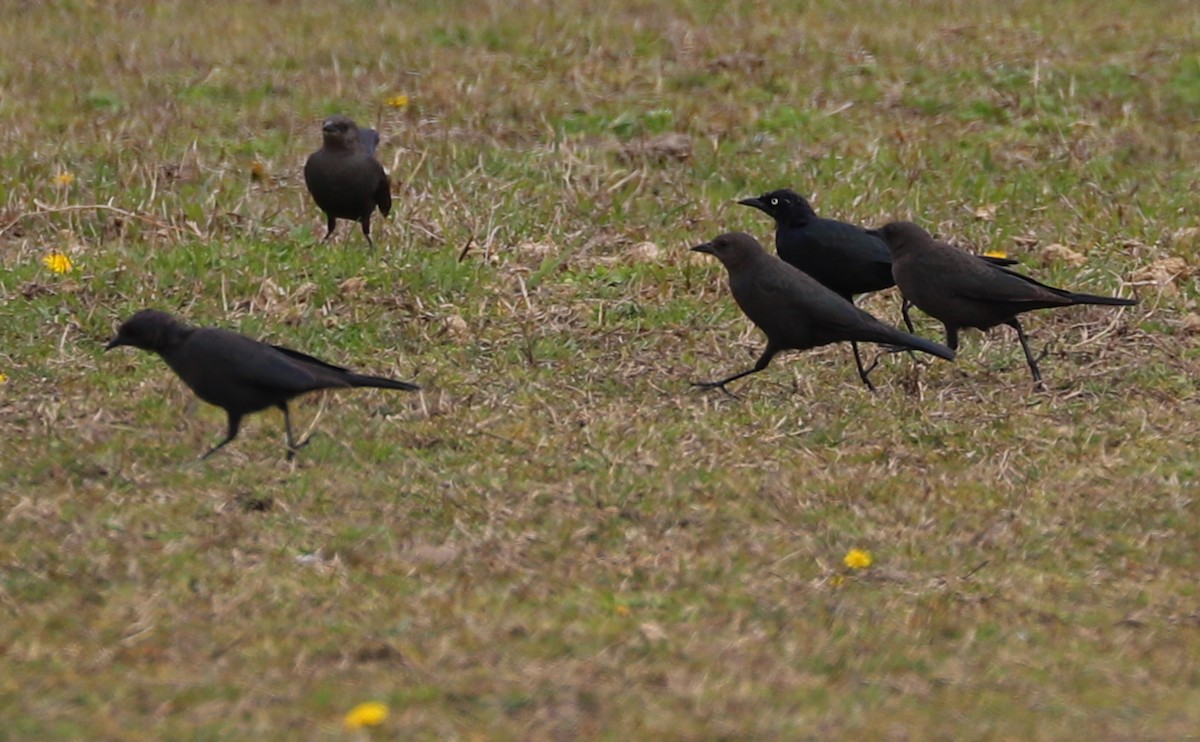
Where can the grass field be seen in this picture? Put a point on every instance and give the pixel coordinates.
(558, 538)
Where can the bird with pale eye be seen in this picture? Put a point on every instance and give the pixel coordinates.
(846, 258)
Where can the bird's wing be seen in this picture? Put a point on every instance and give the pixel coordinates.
(787, 294)
(309, 359)
(247, 361)
(369, 139)
(842, 256)
(383, 193)
(843, 237)
(988, 282)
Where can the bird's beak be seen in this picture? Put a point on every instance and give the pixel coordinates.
(754, 202)
(118, 340)
(705, 247)
(328, 128)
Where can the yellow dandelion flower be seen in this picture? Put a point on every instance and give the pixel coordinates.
(622, 610)
(57, 262)
(995, 253)
(64, 179)
(398, 101)
(3, 378)
(369, 714)
(857, 559)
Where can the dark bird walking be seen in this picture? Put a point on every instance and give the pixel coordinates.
(794, 310)
(962, 291)
(237, 373)
(344, 177)
(844, 257)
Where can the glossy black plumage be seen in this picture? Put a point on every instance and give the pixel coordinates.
(237, 373)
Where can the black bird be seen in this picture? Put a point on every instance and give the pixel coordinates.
(962, 291)
(794, 310)
(237, 373)
(344, 177)
(844, 257)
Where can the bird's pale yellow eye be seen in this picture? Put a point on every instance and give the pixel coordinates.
(774, 202)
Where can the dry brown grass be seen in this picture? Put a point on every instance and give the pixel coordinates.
(558, 539)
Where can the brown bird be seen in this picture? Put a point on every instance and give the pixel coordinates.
(794, 310)
(344, 177)
(963, 291)
(237, 373)
(844, 257)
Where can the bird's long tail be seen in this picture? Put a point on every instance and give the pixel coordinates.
(378, 382)
(905, 341)
(1114, 301)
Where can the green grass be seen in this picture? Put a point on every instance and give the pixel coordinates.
(558, 538)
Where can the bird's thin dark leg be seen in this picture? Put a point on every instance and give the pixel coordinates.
(951, 337)
(230, 433)
(905, 305)
(763, 361)
(366, 229)
(329, 229)
(1033, 367)
(863, 372)
(292, 445)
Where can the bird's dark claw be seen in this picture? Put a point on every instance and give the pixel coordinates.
(706, 385)
(294, 448)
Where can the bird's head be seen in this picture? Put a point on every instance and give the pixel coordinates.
(900, 236)
(733, 249)
(149, 329)
(340, 132)
(785, 206)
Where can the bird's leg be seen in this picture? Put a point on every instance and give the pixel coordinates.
(366, 230)
(863, 372)
(721, 384)
(329, 229)
(905, 305)
(230, 433)
(292, 445)
(952, 337)
(1033, 367)
(763, 361)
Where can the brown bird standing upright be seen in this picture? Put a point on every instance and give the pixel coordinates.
(963, 291)
(794, 310)
(237, 373)
(344, 177)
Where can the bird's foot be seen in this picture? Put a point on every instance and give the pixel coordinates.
(294, 448)
(706, 385)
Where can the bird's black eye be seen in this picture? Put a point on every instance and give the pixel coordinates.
(774, 202)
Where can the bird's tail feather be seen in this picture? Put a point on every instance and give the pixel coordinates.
(379, 382)
(907, 341)
(1114, 301)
